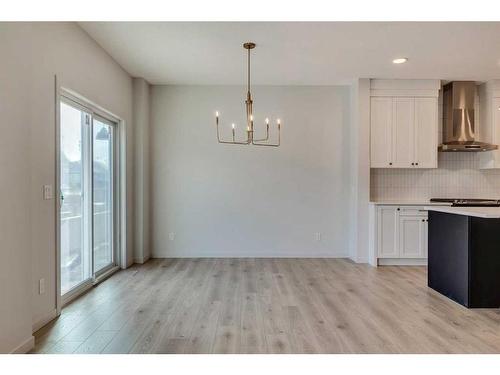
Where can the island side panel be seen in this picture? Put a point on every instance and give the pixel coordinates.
(448, 249)
(484, 268)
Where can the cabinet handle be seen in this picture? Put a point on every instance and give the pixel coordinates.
(390, 163)
(416, 163)
(398, 208)
(412, 163)
(423, 220)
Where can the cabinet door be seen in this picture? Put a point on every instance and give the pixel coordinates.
(411, 237)
(425, 237)
(387, 228)
(426, 132)
(491, 133)
(403, 119)
(380, 132)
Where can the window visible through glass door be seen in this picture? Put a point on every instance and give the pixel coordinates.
(102, 151)
(74, 238)
(87, 209)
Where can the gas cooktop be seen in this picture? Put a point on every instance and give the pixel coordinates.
(459, 202)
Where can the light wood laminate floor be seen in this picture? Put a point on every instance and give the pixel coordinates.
(268, 306)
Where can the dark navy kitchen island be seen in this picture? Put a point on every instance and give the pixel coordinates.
(464, 254)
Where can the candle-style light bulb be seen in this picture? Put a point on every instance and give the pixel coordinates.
(233, 126)
(267, 121)
(278, 121)
(216, 113)
(251, 117)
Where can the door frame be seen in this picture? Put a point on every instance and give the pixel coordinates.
(119, 193)
(114, 204)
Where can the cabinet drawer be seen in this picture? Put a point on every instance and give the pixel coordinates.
(412, 211)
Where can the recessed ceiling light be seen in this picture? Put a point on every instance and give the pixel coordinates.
(400, 60)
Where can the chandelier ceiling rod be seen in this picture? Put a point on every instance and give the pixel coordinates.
(248, 63)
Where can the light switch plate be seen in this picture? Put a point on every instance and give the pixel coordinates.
(41, 286)
(47, 192)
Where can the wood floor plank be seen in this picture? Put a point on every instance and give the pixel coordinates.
(268, 306)
(96, 342)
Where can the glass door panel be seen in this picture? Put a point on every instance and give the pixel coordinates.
(102, 151)
(75, 260)
(87, 223)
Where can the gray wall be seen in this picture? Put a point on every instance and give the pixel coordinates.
(141, 111)
(15, 271)
(32, 54)
(228, 200)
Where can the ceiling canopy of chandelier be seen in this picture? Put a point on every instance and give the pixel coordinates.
(249, 109)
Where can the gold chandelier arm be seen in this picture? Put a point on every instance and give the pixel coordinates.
(267, 135)
(233, 142)
(258, 142)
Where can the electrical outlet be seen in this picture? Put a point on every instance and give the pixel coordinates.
(41, 286)
(171, 236)
(317, 235)
(47, 192)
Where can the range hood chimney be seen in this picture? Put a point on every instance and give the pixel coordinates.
(459, 129)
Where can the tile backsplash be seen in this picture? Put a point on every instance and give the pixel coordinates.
(457, 176)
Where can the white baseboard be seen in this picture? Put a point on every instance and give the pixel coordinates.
(402, 262)
(253, 255)
(44, 320)
(25, 346)
(358, 260)
(141, 260)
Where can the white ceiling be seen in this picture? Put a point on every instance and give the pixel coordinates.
(298, 53)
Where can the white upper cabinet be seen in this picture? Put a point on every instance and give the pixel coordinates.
(381, 124)
(489, 123)
(426, 133)
(404, 124)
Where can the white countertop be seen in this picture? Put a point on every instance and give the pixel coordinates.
(484, 212)
(416, 202)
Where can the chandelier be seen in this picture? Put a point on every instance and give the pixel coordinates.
(249, 126)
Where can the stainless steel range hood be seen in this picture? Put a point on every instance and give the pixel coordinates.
(459, 129)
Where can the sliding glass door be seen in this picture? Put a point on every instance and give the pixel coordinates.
(87, 209)
(75, 259)
(102, 143)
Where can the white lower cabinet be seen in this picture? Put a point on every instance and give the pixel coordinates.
(412, 237)
(387, 227)
(401, 233)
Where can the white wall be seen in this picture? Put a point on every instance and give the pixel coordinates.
(15, 272)
(227, 200)
(360, 175)
(32, 53)
(141, 146)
